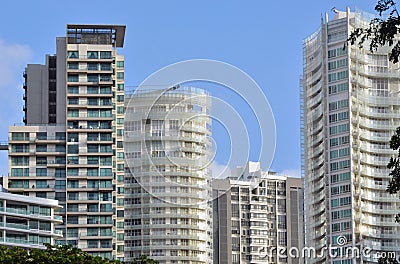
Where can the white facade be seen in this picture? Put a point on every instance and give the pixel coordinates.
(28, 222)
(351, 109)
(167, 143)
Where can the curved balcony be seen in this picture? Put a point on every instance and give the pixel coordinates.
(377, 100)
(375, 161)
(379, 197)
(315, 114)
(377, 211)
(314, 101)
(373, 148)
(370, 124)
(315, 88)
(377, 173)
(369, 112)
(370, 184)
(365, 134)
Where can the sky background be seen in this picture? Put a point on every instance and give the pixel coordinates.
(262, 38)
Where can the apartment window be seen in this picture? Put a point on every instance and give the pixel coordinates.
(73, 172)
(20, 172)
(105, 161)
(60, 135)
(105, 66)
(73, 78)
(93, 113)
(20, 148)
(72, 137)
(73, 54)
(73, 113)
(92, 90)
(338, 129)
(60, 184)
(120, 155)
(380, 87)
(93, 54)
(120, 64)
(120, 98)
(41, 184)
(340, 201)
(157, 127)
(41, 172)
(92, 160)
(134, 126)
(92, 78)
(105, 172)
(19, 136)
(73, 66)
(340, 165)
(60, 196)
(120, 75)
(41, 161)
(105, 90)
(73, 149)
(378, 63)
(41, 135)
(105, 55)
(72, 208)
(60, 173)
(106, 196)
(73, 90)
(41, 194)
(106, 148)
(120, 121)
(93, 172)
(120, 87)
(106, 207)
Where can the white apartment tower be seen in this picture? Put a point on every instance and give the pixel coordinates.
(168, 151)
(257, 217)
(70, 147)
(351, 108)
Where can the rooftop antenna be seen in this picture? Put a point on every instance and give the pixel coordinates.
(334, 10)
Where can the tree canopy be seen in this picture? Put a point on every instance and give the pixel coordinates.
(65, 254)
(381, 30)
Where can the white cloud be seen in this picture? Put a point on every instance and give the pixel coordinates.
(220, 171)
(13, 59)
(291, 172)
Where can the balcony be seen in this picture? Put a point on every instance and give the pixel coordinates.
(27, 213)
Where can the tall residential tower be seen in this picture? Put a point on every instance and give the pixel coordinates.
(70, 147)
(168, 150)
(257, 223)
(351, 109)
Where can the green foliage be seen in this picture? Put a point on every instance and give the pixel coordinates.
(394, 166)
(145, 260)
(381, 31)
(387, 260)
(65, 254)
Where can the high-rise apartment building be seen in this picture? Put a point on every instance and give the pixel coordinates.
(351, 109)
(28, 222)
(71, 146)
(168, 149)
(257, 217)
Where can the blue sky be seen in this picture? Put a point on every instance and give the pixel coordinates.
(263, 38)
